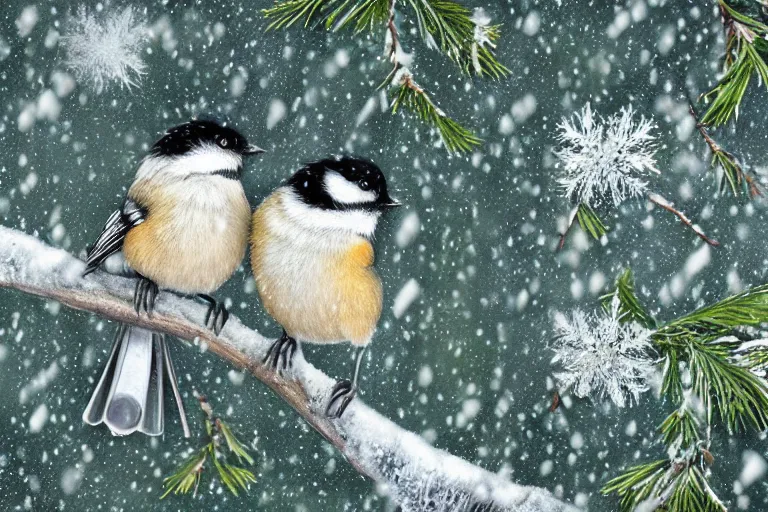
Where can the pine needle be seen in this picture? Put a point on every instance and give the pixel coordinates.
(745, 51)
(590, 222)
(234, 478)
(411, 97)
(631, 310)
(465, 39)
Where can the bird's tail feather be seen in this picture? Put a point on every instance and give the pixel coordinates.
(129, 394)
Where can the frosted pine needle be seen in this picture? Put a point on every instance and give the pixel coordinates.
(105, 47)
(603, 356)
(605, 156)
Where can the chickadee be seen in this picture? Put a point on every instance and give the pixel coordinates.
(183, 227)
(312, 259)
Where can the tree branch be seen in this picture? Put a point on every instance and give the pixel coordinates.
(659, 201)
(414, 473)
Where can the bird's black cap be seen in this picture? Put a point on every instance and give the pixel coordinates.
(188, 136)
(310, 183)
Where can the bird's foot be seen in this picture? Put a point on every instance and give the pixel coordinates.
(280, 354)
(343, 393)
(144, 296)
(217, 314)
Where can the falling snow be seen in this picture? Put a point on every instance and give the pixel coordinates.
(601, 356)
(602, 157)
(104, 48)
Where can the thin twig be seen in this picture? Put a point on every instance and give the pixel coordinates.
(663, 203)
(564, 234)
(400, 461)
(714, 147)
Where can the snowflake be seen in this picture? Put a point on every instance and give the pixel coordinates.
(106, 47)
(603, 356)
(605, 156)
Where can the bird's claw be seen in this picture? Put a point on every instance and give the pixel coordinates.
(280, 354)
(343, 393)
(217, 314)
(144, 296)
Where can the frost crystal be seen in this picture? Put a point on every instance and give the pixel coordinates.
(605, 156)
(601, 356)
(106, 47)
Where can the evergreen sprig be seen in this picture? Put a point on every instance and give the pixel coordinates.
(727, 377)
(745, 53)
(467, 39)
(410, 96)
(732, 175)
(590, 222)
(235, 478)
(630, 307)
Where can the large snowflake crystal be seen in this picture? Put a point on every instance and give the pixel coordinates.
(603, 356)
(602, 157)
(105, 47)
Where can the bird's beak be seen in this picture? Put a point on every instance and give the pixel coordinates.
(253, 150)
(392, 203)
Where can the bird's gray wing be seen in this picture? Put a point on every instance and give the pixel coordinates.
(112, 236)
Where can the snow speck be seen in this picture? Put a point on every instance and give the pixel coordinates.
(39, 382)
(26, 22)
(405, 297)
(71, 480)
(532, 24)
(277, 110)
(425, 376)
(697, 261)
(754, 468)
(5, 49)
(620, 24)
(409, 228)
(38, 419)
(524, 108)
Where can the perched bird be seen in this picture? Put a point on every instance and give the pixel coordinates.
(312, 259)
(182, 227)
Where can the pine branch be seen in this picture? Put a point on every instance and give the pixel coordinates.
(740, 396)
(408, 95)
(733, 175)
(748, 308)
(469, 41)
(233, 477)
(631, 309)
(373, 445)
(745, 51)
(727, 376)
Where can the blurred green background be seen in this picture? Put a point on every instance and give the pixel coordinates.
(468, 364)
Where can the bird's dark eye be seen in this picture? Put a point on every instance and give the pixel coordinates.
(364, 185)
(224, 142)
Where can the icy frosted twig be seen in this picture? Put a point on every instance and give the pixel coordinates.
(663, 203)
(401, 461)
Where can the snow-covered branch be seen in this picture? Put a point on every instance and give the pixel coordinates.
(416, 475)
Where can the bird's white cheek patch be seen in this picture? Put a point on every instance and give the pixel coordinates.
(342, 191)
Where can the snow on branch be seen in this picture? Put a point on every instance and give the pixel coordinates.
(416, 475)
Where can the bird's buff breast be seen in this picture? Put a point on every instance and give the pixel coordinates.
(318, 289)
(188, 243)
